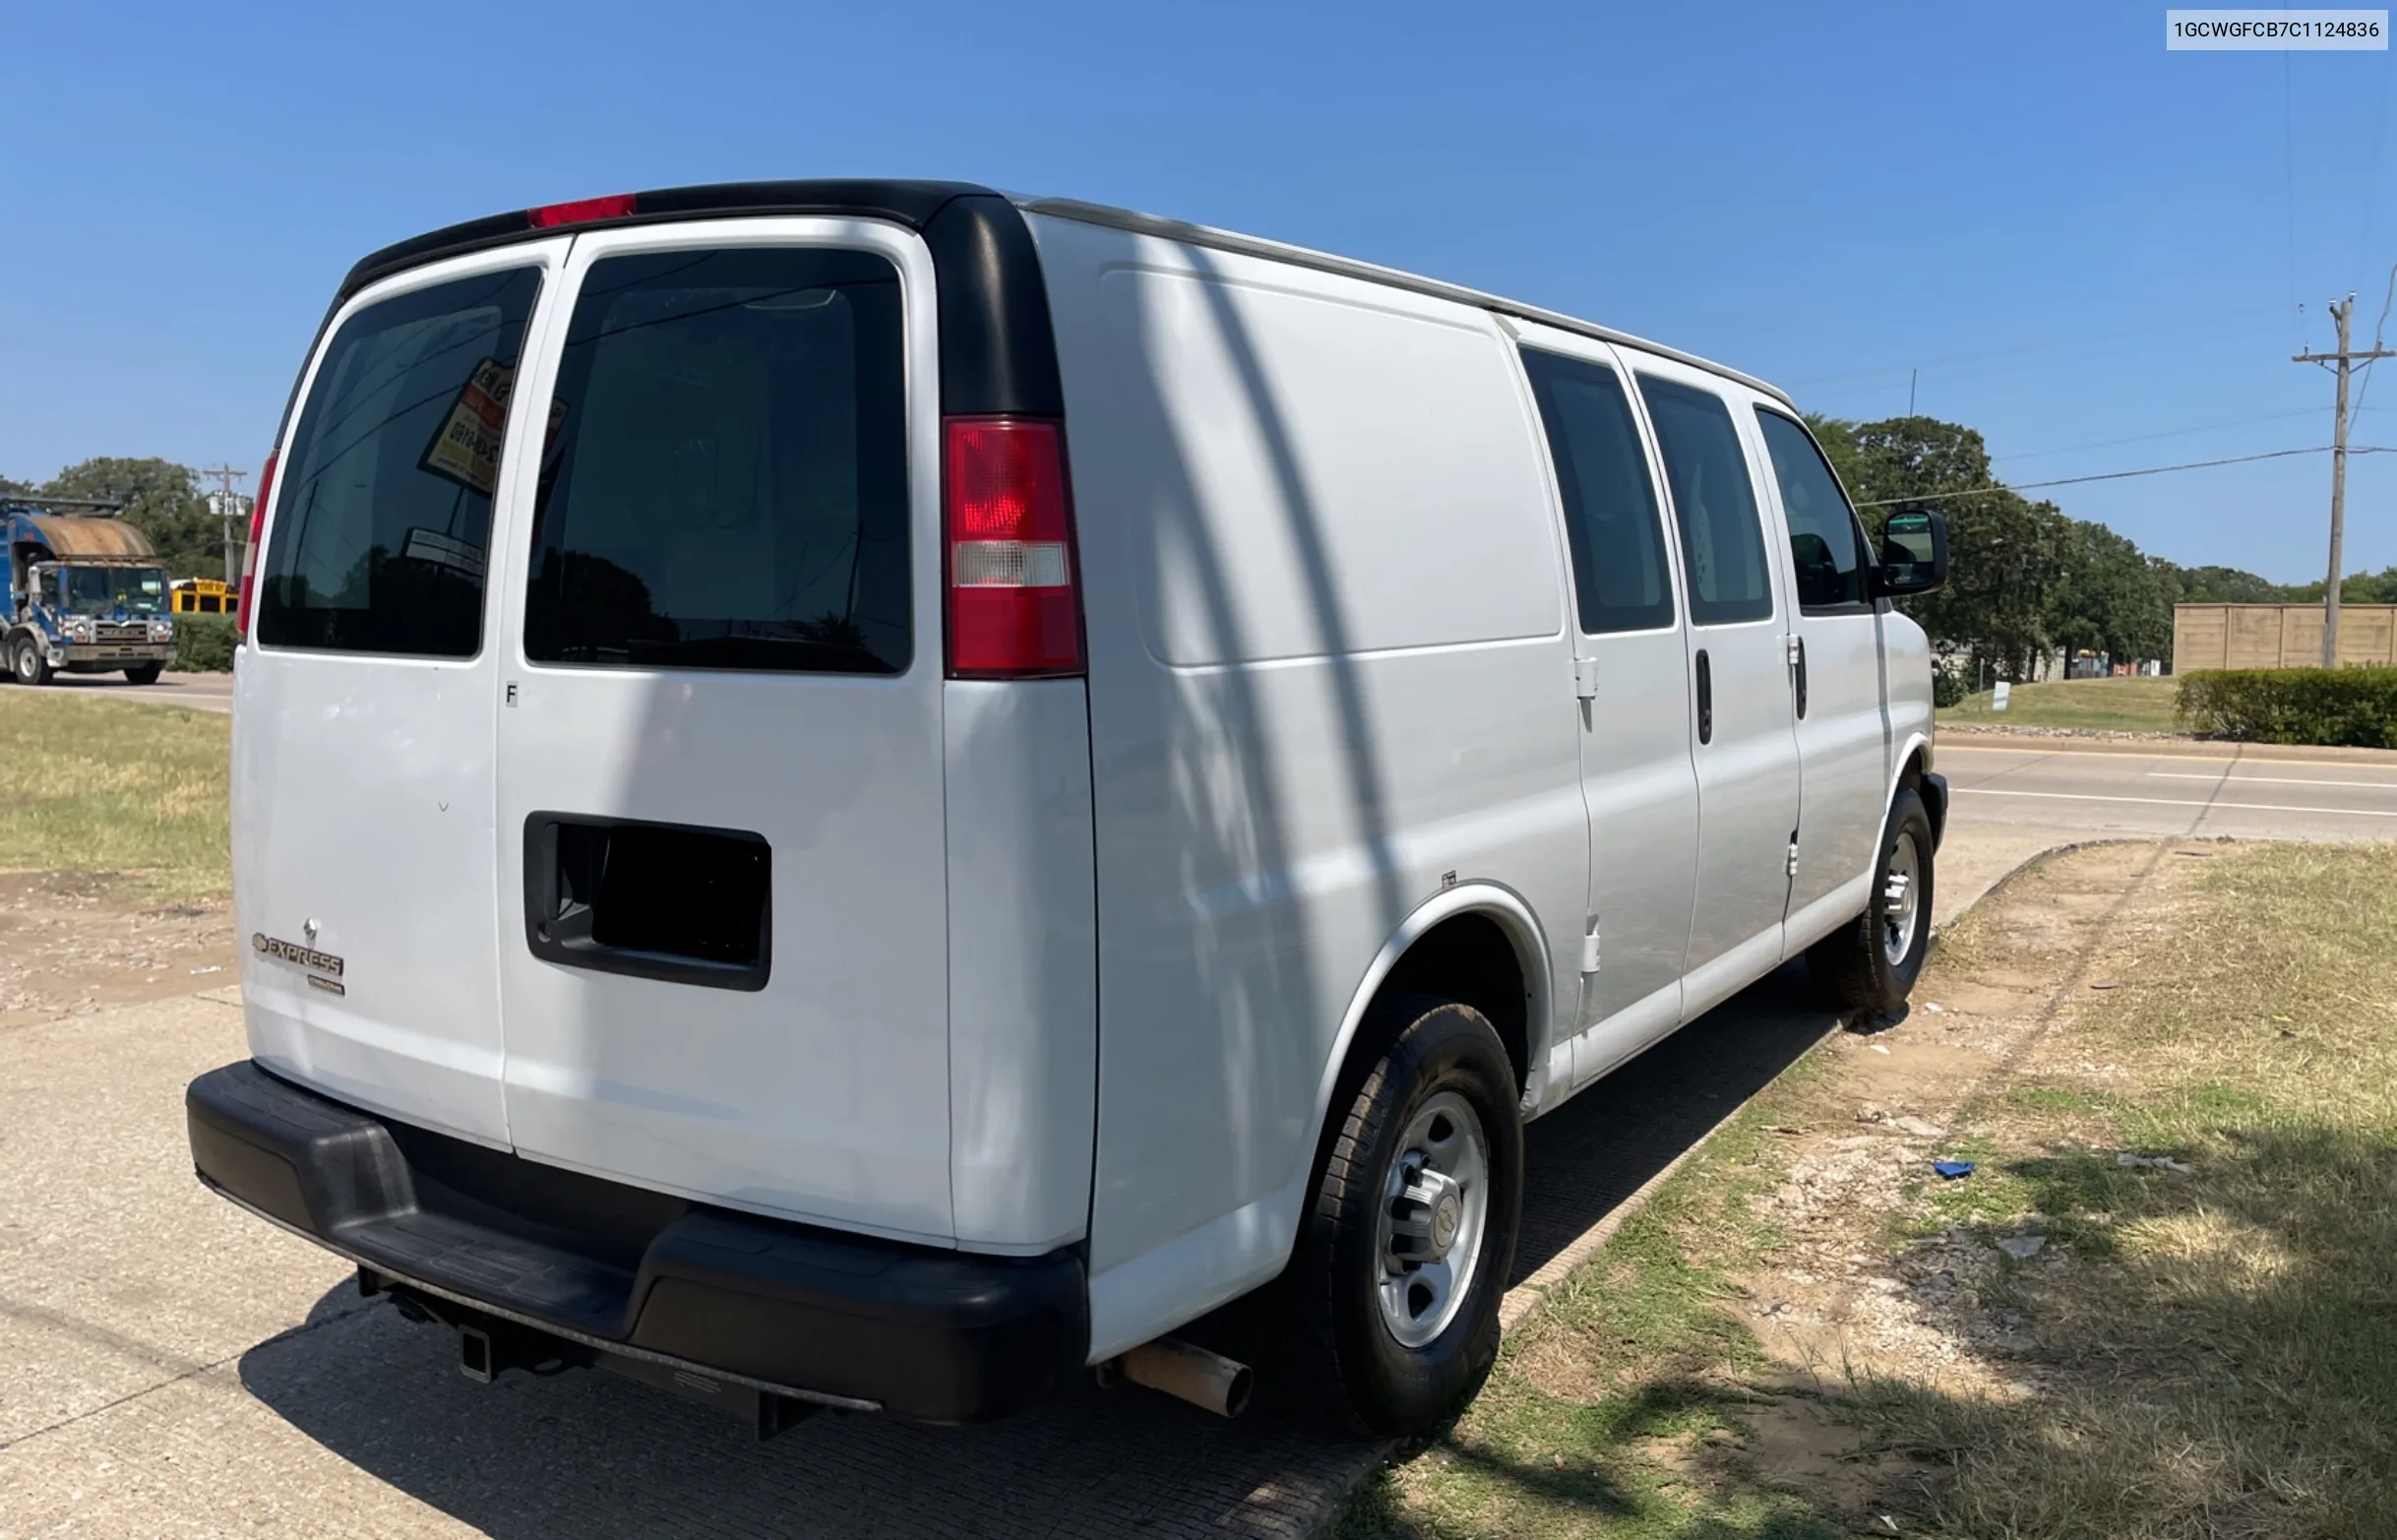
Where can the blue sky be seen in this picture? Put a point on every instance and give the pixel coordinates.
(2093, 250)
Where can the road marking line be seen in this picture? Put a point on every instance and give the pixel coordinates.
(2272, 780)
(2175, 802)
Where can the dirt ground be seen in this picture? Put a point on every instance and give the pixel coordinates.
(1835, 1304)
(84, 941)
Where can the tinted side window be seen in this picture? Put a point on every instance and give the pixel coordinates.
(1713, 502)
(1611, 522)
(727, 480)
(384, 516)
(1827, 548)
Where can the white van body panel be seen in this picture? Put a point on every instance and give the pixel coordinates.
(826, 1095)
(362, 791)
(1022, 962)
(1329, 673)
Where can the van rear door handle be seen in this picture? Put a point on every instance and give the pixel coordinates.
(1798, 672)
(1705, 697)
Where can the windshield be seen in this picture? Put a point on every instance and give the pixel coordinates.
(102, 590)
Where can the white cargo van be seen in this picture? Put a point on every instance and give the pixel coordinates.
(873, 794)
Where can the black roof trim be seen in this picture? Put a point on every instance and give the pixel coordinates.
(908, 202)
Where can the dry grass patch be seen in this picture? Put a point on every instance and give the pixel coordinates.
(98, 785)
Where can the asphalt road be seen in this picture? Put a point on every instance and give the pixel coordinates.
(2246, 793)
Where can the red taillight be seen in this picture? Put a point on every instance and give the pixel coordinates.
(1013, 608)
(249, 552)
(581, 212)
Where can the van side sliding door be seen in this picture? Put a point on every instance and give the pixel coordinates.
(1746, 749)
(1632, 662)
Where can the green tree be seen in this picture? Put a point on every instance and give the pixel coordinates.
(162, 500)
(2356, 588)
(2005, 553)
(2108, 597)
(2217, 585)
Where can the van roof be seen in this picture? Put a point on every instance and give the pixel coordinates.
(914, 203)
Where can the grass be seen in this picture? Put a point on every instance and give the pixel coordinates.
(2091, 704)
(103, 786)
(2227, 1341)
(2211, 1354)
(1638, 1352)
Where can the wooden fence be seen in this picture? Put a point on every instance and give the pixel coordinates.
(2278, 635)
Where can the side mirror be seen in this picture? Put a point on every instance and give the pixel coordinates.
(1914, 554)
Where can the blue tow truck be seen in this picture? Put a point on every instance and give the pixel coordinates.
(86, 594)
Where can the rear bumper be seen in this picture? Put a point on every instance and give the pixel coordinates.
(819, 1314)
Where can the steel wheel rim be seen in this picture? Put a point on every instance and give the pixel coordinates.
(1435, 1212)
(1901, 899)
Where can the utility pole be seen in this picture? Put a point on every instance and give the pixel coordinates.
(229, 509)
(2344, 359)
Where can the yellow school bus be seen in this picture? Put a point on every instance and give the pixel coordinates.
(201, 596)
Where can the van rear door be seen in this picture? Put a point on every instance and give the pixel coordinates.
(719, 760)
(364, 701)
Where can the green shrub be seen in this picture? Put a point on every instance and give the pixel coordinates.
(203, 644)
(1948, 687)
(2355, 706)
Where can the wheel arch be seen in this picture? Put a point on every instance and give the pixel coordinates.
(1441, 924)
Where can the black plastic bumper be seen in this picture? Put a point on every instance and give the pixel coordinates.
(1934, 802)
(937, 1335)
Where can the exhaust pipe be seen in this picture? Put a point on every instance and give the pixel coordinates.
(1186, 1372)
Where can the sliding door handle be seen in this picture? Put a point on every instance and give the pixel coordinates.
(1798, 672)
(1705, 697)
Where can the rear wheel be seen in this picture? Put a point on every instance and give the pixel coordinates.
(30, 667)
(145, 674)
(1405, 1251)
(1871, 962)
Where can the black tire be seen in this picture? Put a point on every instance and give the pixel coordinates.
(1853, 963)
(30, 667)
(145, 674)
(1351, 1364)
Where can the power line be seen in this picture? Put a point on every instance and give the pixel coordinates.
(2118, 475)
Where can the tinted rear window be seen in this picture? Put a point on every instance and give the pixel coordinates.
(384, 516)
(727, 480)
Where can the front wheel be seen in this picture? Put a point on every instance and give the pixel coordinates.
(144, 674)
(31, 669)
(1871, 962)
(1405, 1247)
